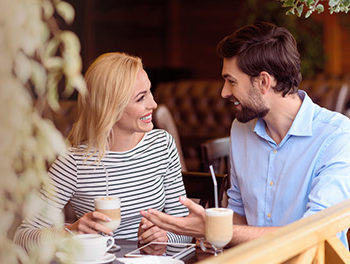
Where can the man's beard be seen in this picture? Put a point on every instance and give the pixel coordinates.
(254, 108)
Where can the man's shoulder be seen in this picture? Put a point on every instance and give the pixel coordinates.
(331, 120)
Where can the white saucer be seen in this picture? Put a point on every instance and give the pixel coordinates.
(150, 260)
(106, 259)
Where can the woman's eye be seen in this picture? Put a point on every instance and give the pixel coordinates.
(140, 99)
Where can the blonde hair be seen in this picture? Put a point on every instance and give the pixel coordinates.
(109, 79)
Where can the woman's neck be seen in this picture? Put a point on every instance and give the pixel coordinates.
(123, 141)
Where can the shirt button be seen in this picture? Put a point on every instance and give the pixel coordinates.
(271, 183)
(275, 151)
(268, 215)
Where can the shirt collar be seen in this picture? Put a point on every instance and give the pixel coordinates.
(302, 124)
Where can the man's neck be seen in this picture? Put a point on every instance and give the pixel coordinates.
(283, 111)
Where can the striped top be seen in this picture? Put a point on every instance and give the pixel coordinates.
(147, 176)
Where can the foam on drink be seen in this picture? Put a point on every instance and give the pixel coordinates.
(218, 227)
(110, 206)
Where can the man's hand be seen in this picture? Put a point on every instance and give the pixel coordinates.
(148, 232)
(191, 225)
(87, 224)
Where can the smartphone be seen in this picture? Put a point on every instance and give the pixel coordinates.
(174, 250)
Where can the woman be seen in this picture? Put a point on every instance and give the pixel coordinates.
(113, 141)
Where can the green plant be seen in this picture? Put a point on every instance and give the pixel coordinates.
(307, 32)
(35, 56)
(296, 7)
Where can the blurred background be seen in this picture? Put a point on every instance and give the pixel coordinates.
(176, 40)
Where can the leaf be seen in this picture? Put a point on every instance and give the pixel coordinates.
(308, 13)
(66, 11)
(70, 41)
(290, 12)
(38, 77)
(51, 47)
(300, 10)
(52, 94)
(52, 142)
(22, 67)
(72, 64)
(78, 82)
(310, 2)
(6, 220)
(48, 9)
(288, 3)
(333, 3)
(54, 63)
(319, 8)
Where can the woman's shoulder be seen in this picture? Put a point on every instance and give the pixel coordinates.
(76, 150)
(74, 153)
(160, 134)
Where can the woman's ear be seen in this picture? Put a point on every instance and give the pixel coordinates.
(266, 81)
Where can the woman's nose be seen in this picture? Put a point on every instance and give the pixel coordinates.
(152, 104)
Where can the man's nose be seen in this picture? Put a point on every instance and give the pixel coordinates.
(226, 91)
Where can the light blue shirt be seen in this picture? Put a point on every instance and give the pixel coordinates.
(309, 170)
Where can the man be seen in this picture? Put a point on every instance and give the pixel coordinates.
(289, 157)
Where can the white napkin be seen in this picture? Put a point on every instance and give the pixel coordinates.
(150, 260)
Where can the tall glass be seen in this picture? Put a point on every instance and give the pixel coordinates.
(110, 206)
(218, 228)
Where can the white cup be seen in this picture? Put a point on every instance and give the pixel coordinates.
(92, 246)
(218, 228)
(110, 206)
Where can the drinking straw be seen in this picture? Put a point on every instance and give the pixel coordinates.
(107, 179)
(215, 186)
(69, 231)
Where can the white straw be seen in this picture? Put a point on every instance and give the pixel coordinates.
(107, 179)
(215, 186)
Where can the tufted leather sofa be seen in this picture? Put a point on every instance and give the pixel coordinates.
(200, 113)
(331, 92)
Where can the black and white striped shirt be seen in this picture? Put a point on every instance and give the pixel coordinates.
(147, 176)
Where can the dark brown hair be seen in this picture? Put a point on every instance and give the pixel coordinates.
(265, 47)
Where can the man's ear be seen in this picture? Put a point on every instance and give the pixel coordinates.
(265, 82)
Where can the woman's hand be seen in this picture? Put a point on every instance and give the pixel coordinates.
(88, 224)
(149, 232)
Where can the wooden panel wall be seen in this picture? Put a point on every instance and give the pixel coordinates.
(182, 34)
(165, 33)
(336, 41)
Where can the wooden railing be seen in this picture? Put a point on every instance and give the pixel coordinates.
(309, 240)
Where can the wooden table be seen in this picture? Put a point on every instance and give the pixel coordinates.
(127, 245)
